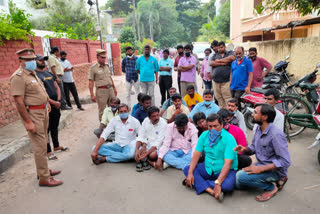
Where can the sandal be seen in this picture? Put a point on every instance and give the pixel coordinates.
(98, 161)
(52, 157)
(63, 148)
(280, 184)
(146, 165)
(139, 167)
(265, 197)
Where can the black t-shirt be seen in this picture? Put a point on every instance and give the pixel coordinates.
(221, 74)
(48, 81)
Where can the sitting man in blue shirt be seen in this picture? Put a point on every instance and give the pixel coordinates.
(137, 105)
(142, 112)
(241, 75)
(169, 102)
(270, 145)
(207, 106)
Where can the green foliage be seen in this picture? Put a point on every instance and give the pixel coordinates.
(140, 45)
(303, 6)
(16, 25)
(127, 36)
(120, 8)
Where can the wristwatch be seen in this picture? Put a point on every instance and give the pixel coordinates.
(216, 182)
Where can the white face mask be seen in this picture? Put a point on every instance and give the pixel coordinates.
(130, 56)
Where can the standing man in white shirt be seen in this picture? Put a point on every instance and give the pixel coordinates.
(126, 129)
(68, 82)
(150, 139)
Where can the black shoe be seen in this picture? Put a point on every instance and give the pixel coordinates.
(66, 108)
(139, 167)
(146, 165)
(81, 109)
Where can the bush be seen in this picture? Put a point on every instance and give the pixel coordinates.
(140, 45)
(124, 45)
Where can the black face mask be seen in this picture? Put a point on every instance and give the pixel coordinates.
(62, 59)
(180, 53)
(41, 66)
(253, 58)
(188, 54)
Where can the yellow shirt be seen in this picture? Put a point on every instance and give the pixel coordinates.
(192, 102)
(53, 61)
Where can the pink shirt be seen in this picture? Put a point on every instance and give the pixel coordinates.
(204, 70)
(188, 76)
(175, 141)
(258, 65)
(238, 135)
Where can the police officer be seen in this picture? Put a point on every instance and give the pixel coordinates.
(31, 100)
(100, 76)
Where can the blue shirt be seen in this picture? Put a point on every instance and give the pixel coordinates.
(169, 103)
(165, 63)
(200, 107)
(135, 107)
(240, 74)
(140, 114)
(147, 68)
(128, 67)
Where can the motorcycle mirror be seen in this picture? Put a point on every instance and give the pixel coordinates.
(318, 65)
(287, 57)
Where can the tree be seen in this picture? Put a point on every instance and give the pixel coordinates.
(127, 35)
(121, 8)
(303, 6)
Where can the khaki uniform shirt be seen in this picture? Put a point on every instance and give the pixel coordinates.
(53, 61)
(100, 76)
(26, 83)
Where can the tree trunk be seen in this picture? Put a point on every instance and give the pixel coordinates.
(134, 16)
(151, 25)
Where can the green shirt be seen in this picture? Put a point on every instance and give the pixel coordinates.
(215, 155)
(107, 116)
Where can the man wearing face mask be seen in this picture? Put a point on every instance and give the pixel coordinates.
(187, 67)
(217, 174)
(100, 76)
(176, 63)
(31, 101)
(108, 114)
(126, 129)
(132, 79)
(207, 106)
(241, 75)
(258, 64)
(204, 75)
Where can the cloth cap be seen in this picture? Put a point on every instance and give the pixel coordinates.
(27, 53)
(101, 52)
(40, 57)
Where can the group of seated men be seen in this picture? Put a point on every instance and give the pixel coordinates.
(209, 144)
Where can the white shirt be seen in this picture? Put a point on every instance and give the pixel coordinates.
(152, 135)
(125, 133)
(278, 121)
(67, 76)
(155, 55)
(242, 123)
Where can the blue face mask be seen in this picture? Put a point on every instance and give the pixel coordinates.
(214, 136)
(207, 103)
(234, 112)
(124, 115)
(31, 65)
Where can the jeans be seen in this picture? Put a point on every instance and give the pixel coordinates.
(114, 153)
(71, 87)
(148, 88)
(207, 84)
(54, 119)
(178, 158)
(260, 181)
(165, 83)
(202, 180)
(129, 85)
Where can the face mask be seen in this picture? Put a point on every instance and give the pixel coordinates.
(234, 112)
(124, 115)
(253, 58)
(207, 103)
(207, 57)
(41, 66)
(188, 54)
(31, 65)
(240, 58)
(102, 60)
(129, 56)
(62, 59)
(180, 53)
(214, 136)
(113, 108)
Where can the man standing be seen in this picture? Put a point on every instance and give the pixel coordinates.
(147, 66)
(215, 48)
(128, 67)
(56, 69)
(100, 76)
(192, 98)
(53, 91)
(155, 54)
(258, 64)
(150, 139)
(176, 63)
(241, 75)
(142, 112)
(126, 129)
(179, 143)
(187, 67)
(204, 74)
(176, 108)
(271, 148)
(31, 101)
(165, 79)
(221, 68)
(68, 82)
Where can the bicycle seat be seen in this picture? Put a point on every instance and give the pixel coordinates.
(309, 86)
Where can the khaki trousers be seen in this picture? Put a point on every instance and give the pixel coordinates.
(39, 141)
(184, 86)
(222, 93)
(103, 97)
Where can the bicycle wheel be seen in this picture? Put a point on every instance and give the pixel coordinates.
(294, 108)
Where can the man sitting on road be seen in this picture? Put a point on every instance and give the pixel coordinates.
(218, 172)
(169, 102)
(192, 98)
(179, 143)
(176, 108)
(237, 118)
(207, 106)
(150, 139)
(199, 119)
(137, 105)
(141, 112)
(270, 146)
(108, 114)
(126, 129)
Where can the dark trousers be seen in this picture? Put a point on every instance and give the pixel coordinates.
(207, 84)
(244, 161)
(71, 87)
(54, 119)
(237, 94)
(63, 97)
(165, 83)
(179, 84)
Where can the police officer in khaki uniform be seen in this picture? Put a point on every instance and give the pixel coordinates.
(100, 76)
(31, 100)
